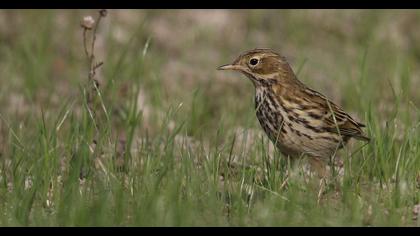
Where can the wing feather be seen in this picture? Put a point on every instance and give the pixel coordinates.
(336, 120)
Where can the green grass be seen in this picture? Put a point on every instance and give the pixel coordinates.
(195, 154)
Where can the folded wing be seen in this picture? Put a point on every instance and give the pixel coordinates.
(336, 120)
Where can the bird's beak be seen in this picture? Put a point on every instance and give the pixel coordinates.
(229, 67)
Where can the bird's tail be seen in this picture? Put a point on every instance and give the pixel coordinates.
(362, 137)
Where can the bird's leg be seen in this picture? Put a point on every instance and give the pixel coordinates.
(321, 189)
(320, 167)
(337, 171)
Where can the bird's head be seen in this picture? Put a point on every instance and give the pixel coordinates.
(262, 66)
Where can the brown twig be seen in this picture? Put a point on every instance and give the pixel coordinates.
(92, 47)
(89, 26)
(84, 41)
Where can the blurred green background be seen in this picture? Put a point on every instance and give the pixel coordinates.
(165, 99)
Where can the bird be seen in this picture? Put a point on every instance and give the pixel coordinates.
(298, 120)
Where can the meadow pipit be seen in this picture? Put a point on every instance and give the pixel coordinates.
(298, 120)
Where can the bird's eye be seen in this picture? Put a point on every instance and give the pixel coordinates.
(253, 61)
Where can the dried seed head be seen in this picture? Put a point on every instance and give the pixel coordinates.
(103, 12)
(87, 22)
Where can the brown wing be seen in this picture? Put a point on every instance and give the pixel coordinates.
(335, 119)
